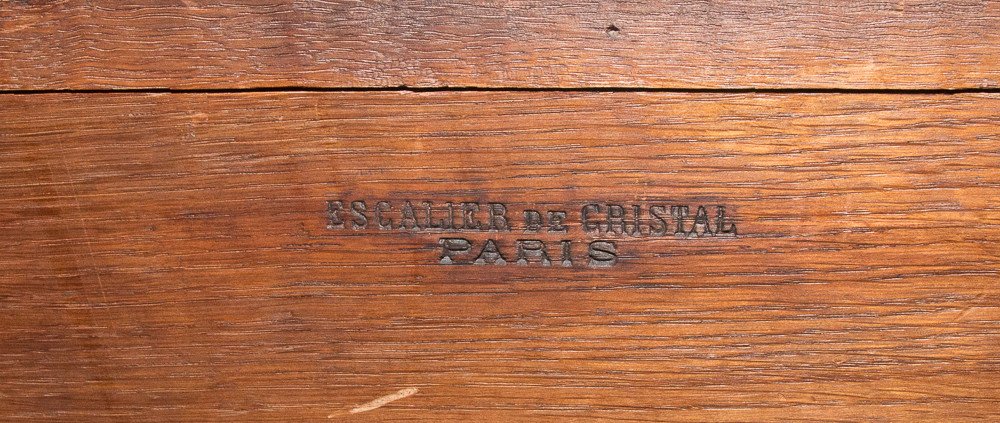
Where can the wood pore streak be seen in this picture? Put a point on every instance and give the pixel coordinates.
(80, 44)
(862, 285)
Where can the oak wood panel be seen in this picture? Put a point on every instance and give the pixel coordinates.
(77, 44)
(166, 257)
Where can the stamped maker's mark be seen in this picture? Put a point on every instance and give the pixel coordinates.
(545, 237)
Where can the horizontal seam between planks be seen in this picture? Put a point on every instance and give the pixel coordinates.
(292, 89)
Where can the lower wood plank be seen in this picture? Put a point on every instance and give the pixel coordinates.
(173, 257)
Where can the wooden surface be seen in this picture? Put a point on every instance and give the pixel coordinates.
(167, 257)
(77, 44)
(196, 248)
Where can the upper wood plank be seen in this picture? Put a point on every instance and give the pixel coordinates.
(77, 44)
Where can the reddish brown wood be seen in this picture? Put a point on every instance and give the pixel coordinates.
(77, 44)
(166, 258)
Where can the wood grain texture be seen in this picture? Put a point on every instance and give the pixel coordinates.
(77, 44)
(166, 258)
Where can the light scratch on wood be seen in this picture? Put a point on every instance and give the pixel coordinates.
(381, 401)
